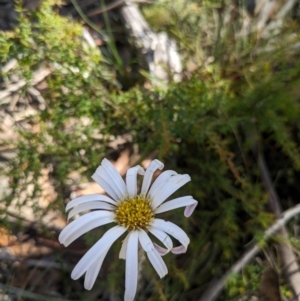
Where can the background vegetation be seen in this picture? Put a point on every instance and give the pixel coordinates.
(239, 98)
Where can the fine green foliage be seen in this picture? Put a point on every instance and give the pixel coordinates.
(235, 101)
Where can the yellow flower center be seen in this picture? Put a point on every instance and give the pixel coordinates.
(134, 213)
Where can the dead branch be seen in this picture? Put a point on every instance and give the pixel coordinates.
(26, 294)
(37, 263)
(214, 289)
(285, 253)
(277, 23)
(38, 76)
(158, 50)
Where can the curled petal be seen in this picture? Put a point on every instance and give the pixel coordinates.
(90, 206)
(179, 250)
(161, 181)
(162, 251)
(188, 211)
(89, 198)
(96, 250)
(115, 177)
(171, 186)
(175, 231)
(163, 237)
(131, 266)
(101, 177)
(131, 179)
(84, 224)
(186, 201)
(153, 255)
(152, 168)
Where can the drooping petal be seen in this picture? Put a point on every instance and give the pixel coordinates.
(161, 181)
(122, 254)
(84, 224)
(162, 251)
(175, 231)
(154, 257)
(89, 198)
(90, 206)
(115, 177)
(171, 186)
(93, 271)
(151, 169)
(188, 211)
(131, 179)
(186, 201)
(131, 266)
(163, 237)
(158, 263)
(96, 250)
(179, 250)
(100, 176)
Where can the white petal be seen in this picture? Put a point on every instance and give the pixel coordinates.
(90, 206)
(163, 237)
(131, 179)
(131, 266)
(100, 177)
(186, 201)
(93, 271)
(175, 231)
(152, 168)
(84, 224)
(81, 222)
(115, 177)
(154, 257)
(96, 250)
(145, 241)
(161, 181)
(111, 181)
(158, 263)
(122, 254)
(89, 198)
(171, 186)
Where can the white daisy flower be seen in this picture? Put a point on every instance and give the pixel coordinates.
(134, 213)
